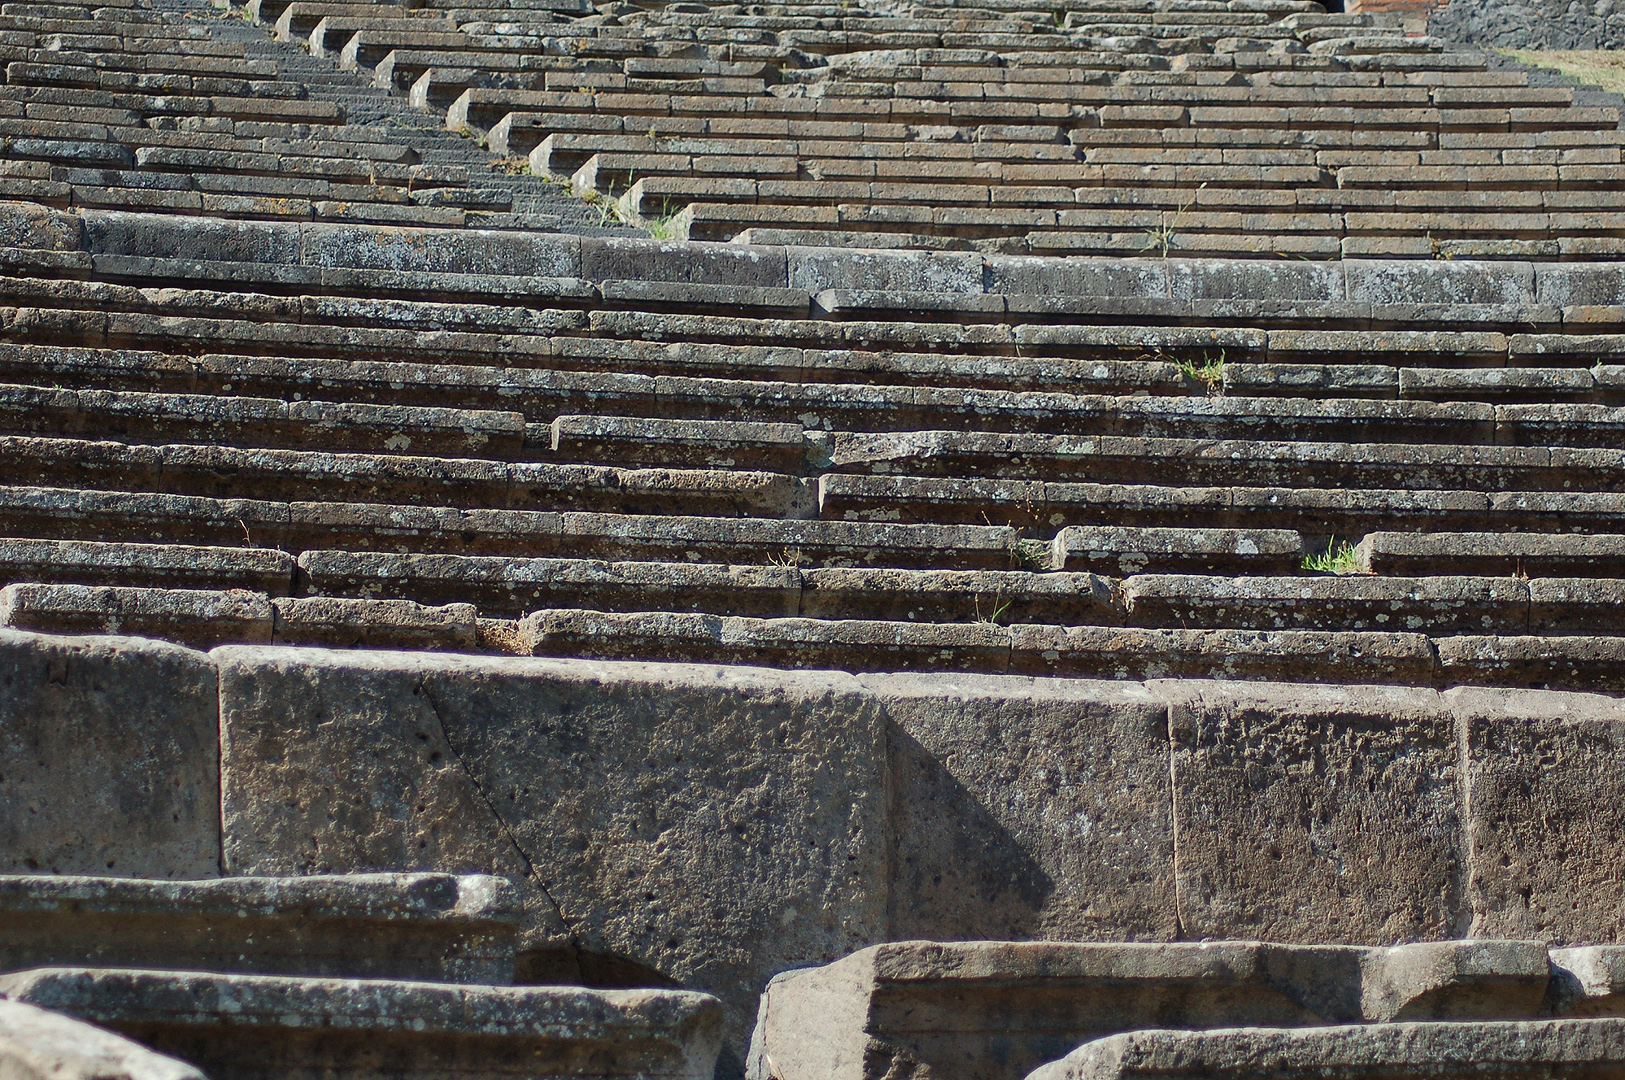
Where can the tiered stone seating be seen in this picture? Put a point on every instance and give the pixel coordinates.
(266, 976)
(286, 359)
(859, 467)
(1255, 128)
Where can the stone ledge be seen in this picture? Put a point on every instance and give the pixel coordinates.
(241, 1026)
(106, 234)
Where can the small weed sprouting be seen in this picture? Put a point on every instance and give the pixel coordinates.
(789, 559)
(664, 228)
(1336, 559)
(1029, 555)
(1162, 238)
(992, 617)
(1210, 372)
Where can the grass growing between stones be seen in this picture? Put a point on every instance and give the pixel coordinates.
(1336, 559)
(1595, 67)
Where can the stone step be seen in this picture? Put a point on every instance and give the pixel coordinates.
(239, 1027)
(1595, 1047)
(205, 618)
(82, 513)
(1455, 604)
(1509, 554)
(915, 1009)
(436, 927)
(1076, 651)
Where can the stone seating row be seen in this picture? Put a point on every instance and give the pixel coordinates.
(178, 121)
(260, 977)
(464, 588)
(1400, 656)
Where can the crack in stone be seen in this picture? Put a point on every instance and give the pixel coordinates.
(424, 691)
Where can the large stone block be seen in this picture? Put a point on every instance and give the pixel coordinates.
(467, 251)
(1289, 806)
(715, 825)
(1028, 808)
(164, 236)
(111, 758)
(1545, 809)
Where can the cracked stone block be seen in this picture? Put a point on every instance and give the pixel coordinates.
(710, 825)
(111, 758)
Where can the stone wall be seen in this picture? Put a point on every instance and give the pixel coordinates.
(711, 826)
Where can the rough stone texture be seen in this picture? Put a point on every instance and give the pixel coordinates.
(1545, 806)
(980, 1010)
(1028, 808)
(403, 926)
(111, 758)
(1525, 24)
(1283, 799)
(1594, 1048)
(247, 1027)
(614, 790)
(37, 1044)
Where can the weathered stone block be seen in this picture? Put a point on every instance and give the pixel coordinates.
(981, 1010)
(111, 757)
(161, 236)
(638, 259)
(37, 1044)
(1545, 808)
(1028, 808)
(29, 225)
(402, 926)
(817, 269)
(1285, 799)
(1432, 1050)
(257, 1027)
(441, 250)
(614, 790)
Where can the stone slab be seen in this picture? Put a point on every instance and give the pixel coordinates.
(405, 926)
(1593, 1048)
(37, 1044)
(1028, 807)
(1545, 806)
(609, 789)
(983, 1010)
(112, 758)
(1284, 793)
(240, 1027)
